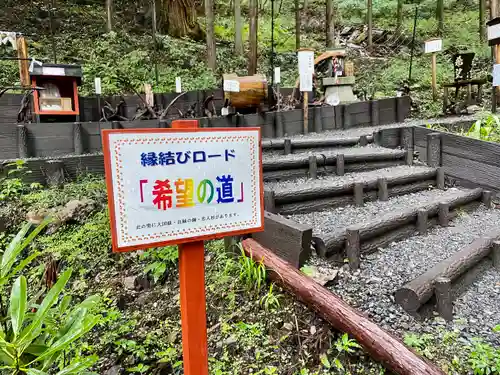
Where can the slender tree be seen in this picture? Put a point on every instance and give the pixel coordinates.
(440, 16)
(297, 24)
(482, 14)
(238, 40)
(399, 16)
(209, 16)
(178, 19)
(369, 20)
(109, 15)
(305, 6)
(330, 24)
(253, 37)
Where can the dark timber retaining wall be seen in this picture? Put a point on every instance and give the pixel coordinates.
(55, 139)
(467, 161)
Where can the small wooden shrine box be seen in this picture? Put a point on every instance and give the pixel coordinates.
(58, 100)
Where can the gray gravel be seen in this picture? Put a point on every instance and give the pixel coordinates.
(371, 288)
(338, 219)
(334, 180)
(356, 132)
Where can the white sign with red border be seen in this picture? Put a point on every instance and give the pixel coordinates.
(169, 186)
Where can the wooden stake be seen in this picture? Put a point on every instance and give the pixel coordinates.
(192, 294)
(434, 74)
(306, 112)
(22, 53)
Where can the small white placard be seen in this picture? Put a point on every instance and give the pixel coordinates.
(97, 85)
(277, 75)
(174, 186)
(306, 62)
(306, 82)
(494, 32)
(178, 85)
(434, 45)
(52, 71)
(224, 111)
(496, 75)
(231, 86)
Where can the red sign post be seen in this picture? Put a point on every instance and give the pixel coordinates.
(153, 201)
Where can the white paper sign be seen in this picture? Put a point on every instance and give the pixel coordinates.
(52, 71)
(434, 45)
(231, 86)
(170, 186)
(306, 82)
(178, 85)
(97, 85)
(306, 62)
(496, 75)
(277, 75)
(494, 32)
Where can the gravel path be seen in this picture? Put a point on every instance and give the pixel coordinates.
(370, 149)
(337, 219)
(356, 132)
(371, 288)
(334, 180)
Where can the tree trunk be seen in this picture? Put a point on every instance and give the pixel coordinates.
(209, 16)
(253, 30)
(305, 6)
(109, 15)
(238, 40)
(330, 24)
(369, 20)
(381, 345)
(399, 16)
(482, 13)
(440, 16)
(493, 8)
(297, 25)
(179, 19)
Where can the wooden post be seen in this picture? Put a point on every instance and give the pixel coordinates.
(77, 138)
(383, 191)
(358, 193)
(363, 140)
(269, 201)
(409, 156)
(444, 214)
(374, 112)
(318, 120)
(434, 150)
(442, 290)
(339, 164)
(22, 54)
(487, 198)
(22, 142)
(434, 75)
(353, 248)
(192, 295)
(495, 254)
(288, 146)
(306, 112)
(440, 178)
(313, 167)
(422, 219)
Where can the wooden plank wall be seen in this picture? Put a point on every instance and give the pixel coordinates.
(468, 161)
(56, 139)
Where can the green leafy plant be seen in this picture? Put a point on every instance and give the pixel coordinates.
(270, 300)
(344, 347)
(12, 185)
(487, 128)
(160, 260)
(34, 336)
(421, 343)
(252, 274)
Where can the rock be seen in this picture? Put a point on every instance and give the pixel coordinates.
(142, 282)
(473, 109)
(129, 282)
(115, 370)
(288, 326)
(312, 330)
(231, 340)
(324, 277)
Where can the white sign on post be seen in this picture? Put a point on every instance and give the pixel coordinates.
(277, 75)
(306, 70)
(231, 85)
(97, 85)
(178, 85)
(53, 71)
(168, 185)
(433, 45)
(496, 75)
(494, 31)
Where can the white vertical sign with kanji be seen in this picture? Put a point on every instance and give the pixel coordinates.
(173, 184)
(306, 69)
